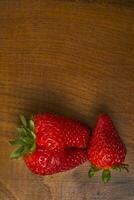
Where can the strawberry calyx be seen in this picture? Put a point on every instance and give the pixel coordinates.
(26, 141)
(93, 169)
(121, 167)
(106, 173)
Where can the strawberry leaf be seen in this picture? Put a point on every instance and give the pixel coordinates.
(26, 139)
(17, 153)
(92, 171)
(18, 141)
(31, 124)
(117, 168)
(121, 167)
(32, 134)
(26, 150)
(33, 147)
(106, 175)
(22, 131)
(23, 120)
(125, 167)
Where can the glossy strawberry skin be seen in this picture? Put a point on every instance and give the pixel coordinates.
(106, 148)
(46, 162)
(56, 132)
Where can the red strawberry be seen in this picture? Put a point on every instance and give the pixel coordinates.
(46, 162)
(106, 150)
(54, 131)
(52, 138)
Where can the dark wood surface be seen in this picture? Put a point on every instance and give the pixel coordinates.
(74, 58)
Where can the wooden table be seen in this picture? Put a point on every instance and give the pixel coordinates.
(74, 58)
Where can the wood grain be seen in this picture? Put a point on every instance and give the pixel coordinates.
(74, 58)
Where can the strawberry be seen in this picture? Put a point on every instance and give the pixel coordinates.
(57, 142)
(106, 150)
(46, 162)
(54, 131)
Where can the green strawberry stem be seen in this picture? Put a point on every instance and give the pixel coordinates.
(26, 139)
(106, 173)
